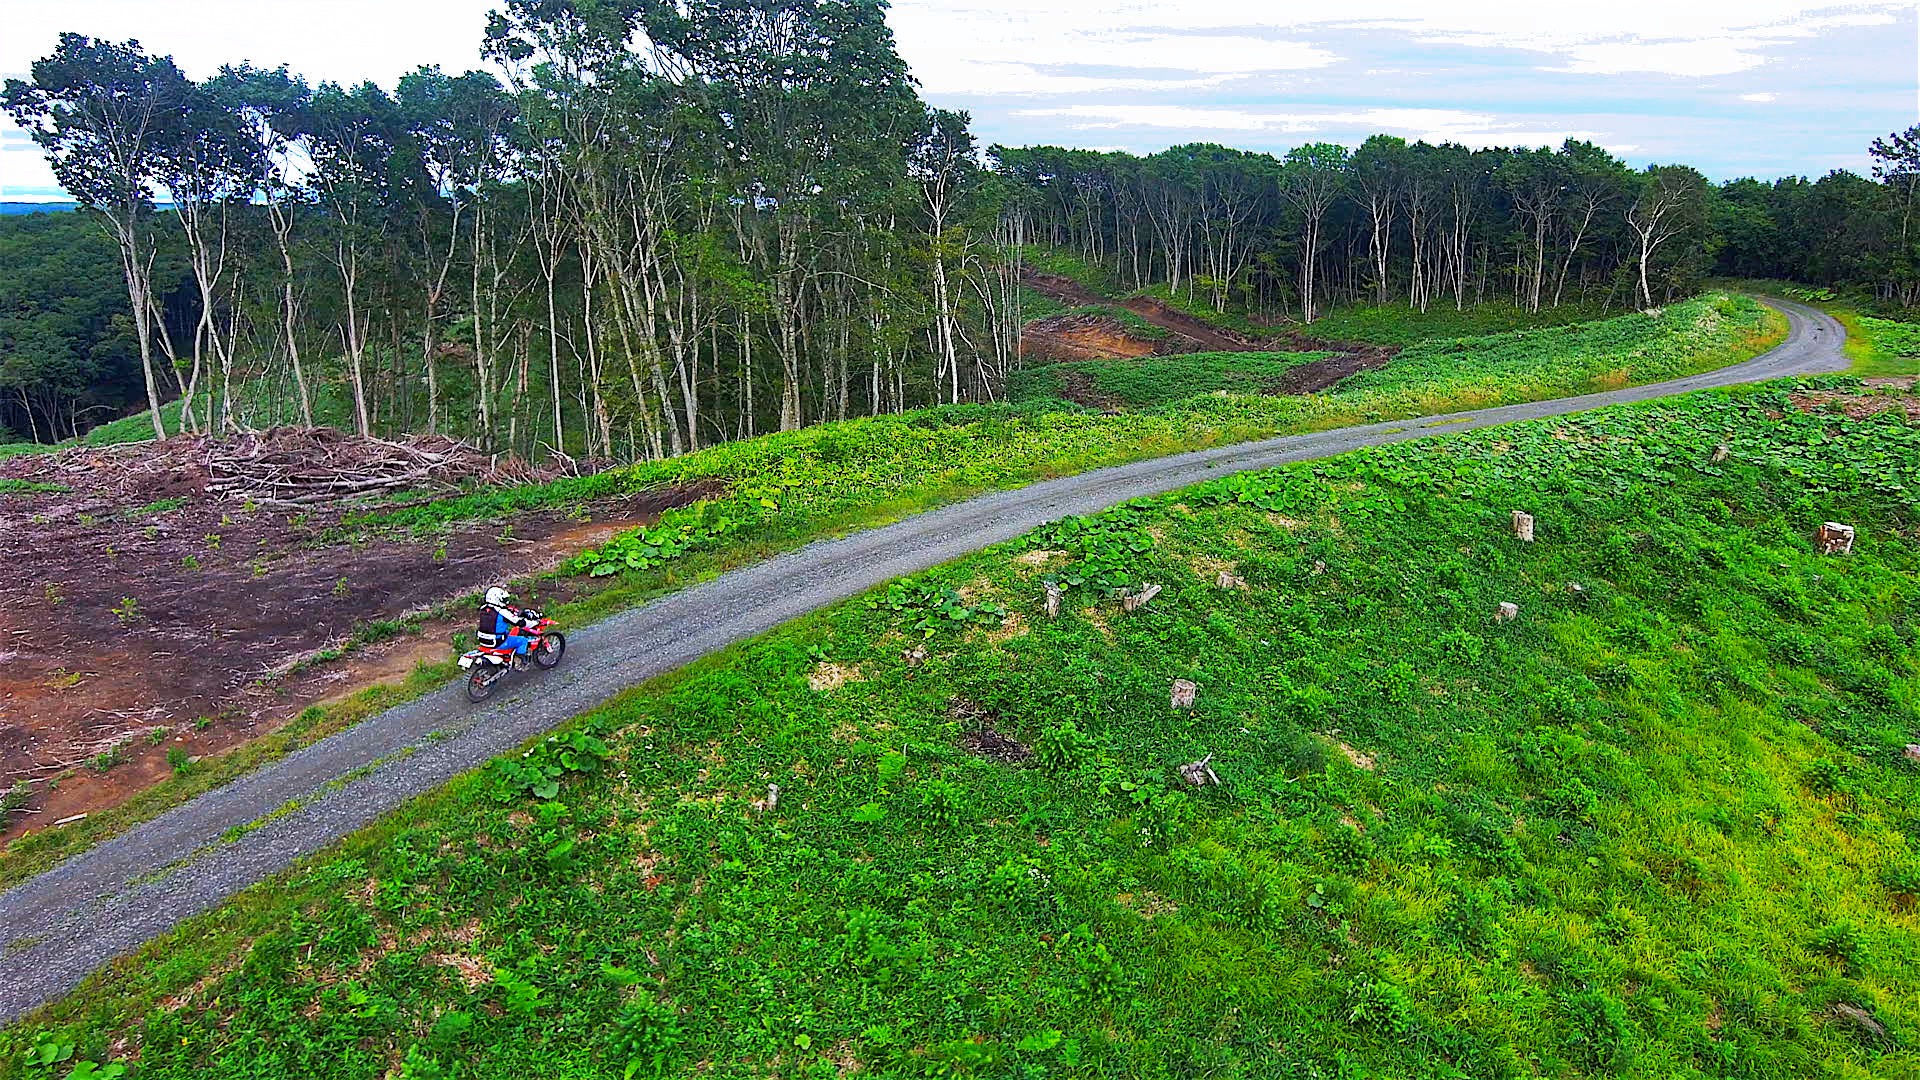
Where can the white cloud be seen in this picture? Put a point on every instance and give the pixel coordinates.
(1759, 99)
(1434, 125)
(1691, 40)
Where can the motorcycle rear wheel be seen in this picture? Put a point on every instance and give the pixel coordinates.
(480, 683)
(552, 648)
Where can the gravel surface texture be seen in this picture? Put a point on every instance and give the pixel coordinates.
(72, 920)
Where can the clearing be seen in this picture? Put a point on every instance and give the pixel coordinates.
(160, 621)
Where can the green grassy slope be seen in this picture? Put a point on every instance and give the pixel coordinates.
(1396, 324)
(1657, 826)
(1881, 347)
(1438, 373)
(1159, 380)
(786, 489)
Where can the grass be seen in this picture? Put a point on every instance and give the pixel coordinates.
(1883, 348)
(1067, 264)
(1397, 324)
(1236, 318)
(1154, 381)
(788, 489)
(1656, 826)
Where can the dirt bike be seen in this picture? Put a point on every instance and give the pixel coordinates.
(488, 664)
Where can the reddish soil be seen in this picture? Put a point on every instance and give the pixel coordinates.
(1861, 406)
(143, 628)
(1101, 337)
(1209, 337)
(1091, 337)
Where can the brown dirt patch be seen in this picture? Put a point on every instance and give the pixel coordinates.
(1209, 337)
(1326, 374)
(831, 676)
(1062, 289)
(1859, 406)
(979, 736)
(129, 618)
(1081, 336)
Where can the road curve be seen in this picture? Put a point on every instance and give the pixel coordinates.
(58, 928)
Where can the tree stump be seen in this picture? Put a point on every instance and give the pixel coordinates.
(1913, 752)
(915, 656)
(1835, 539)
(1053, 600)
(1523, 526)
(1227, 581)
(1199, 773)
(1136, 601)
(1184, 693)
(1861, 1018)
(769, 804)
(1507, 613)
(1720, 454)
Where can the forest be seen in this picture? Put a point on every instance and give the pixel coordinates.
(654, 226)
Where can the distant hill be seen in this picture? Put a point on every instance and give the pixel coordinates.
(36, 207)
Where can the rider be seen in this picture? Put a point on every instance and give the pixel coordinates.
(503, 626)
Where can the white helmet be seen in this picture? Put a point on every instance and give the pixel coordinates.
(498, 597)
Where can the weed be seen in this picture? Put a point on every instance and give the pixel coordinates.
(156, 509)
(127, 611)
(12, 486)
(340, 589)
(179, 760)
(53, 595)
(110, 758)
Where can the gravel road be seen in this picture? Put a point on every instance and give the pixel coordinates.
(60, 927)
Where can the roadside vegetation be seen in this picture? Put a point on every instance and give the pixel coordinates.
(1881, 348)
(1159, 380)
(1658, 824)
(1397, 324)
(783, 490)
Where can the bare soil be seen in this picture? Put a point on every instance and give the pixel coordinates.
(1101, 337)
(1092, 337)
(132, 625)
(1861, 406)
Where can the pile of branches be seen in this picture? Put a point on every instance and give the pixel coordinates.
(286, 467)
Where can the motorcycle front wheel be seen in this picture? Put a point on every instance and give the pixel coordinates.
(551, 649)
(480, 683)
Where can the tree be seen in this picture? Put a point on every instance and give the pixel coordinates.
(1670, 199)
(102, 112)
(1379, 169)
(1311, 180)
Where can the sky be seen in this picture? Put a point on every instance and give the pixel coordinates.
(1749, 88)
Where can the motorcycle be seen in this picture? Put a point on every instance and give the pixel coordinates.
(488, 664)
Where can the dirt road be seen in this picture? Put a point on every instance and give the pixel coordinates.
(67, 923)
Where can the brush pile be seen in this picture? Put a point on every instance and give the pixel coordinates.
(280, 468)
(303, 466)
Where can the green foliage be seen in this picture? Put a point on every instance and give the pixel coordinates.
(931, 606)
(1659, 826)
(1398, 324)
(1154, 381)
(539, 770)
(1109, 546)
(1891, 349)
(156, 508)
(11, 486)
(677, 533)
